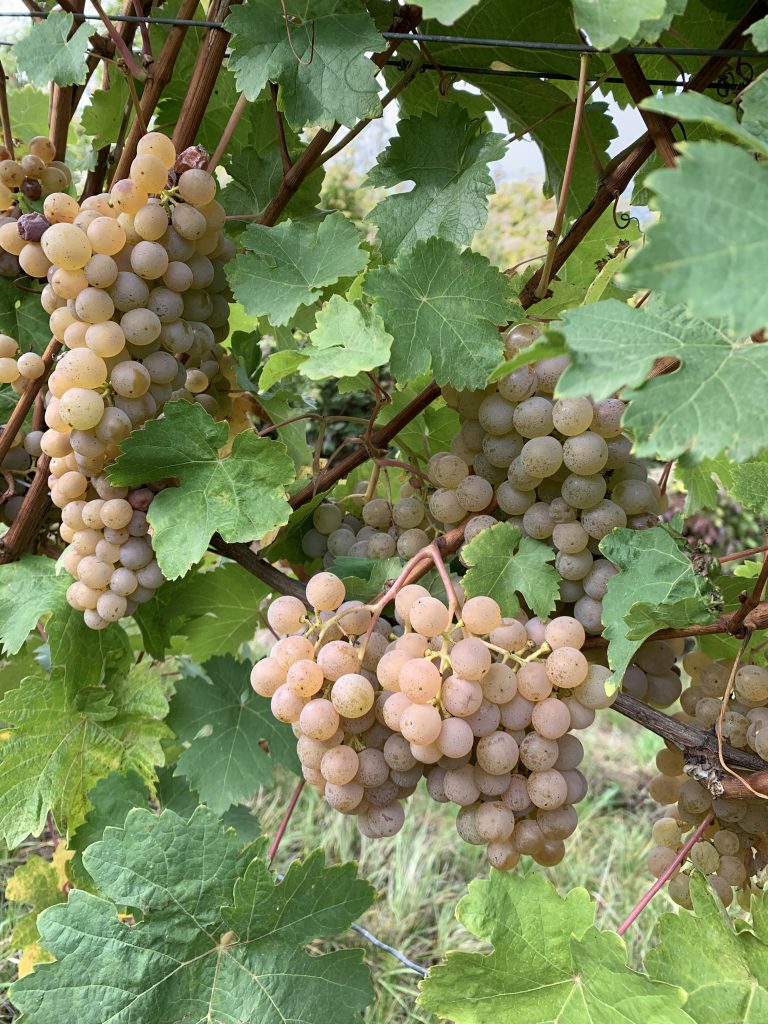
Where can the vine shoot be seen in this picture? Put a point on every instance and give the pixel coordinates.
(350, 579)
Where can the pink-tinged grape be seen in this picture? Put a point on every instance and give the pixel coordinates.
(339, 765)
(456, 738)
(318, 718)
(481, 615)
(325, 592)
(566, 668)
(461, 697)
(533, 682)
(497, 753)
(337, 658)
(344, 798)
(551, 718)
(420, 723)
(470, 659)
(494, 822)
(304, 677)
(286, 705)
(429, 616)
(485, 720)
(499, 684)
(420, 680)
(286, 615)
(510, 635)
(384, 822)
(547, 789)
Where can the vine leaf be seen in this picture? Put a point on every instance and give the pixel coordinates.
(548, 963)
(215, 611)
(724, 972)
(443, 308)
(505, 564)
(183, 953)
(609, 21)
(222, 721)
(29, 589)
(446, 11)
(241, 496)
(58, 746)
(701, 109)
(656, 585)
(746, 482)
(759, 33)
(316, 53)
(115, 795)
(46, 55)
(702, 408)
(446, 155)
(288, 266)
(310, 902)
(256, 175)
(710, 268)
(22, 316)
(345, 342)
(39, 884)
(79, 657)
(105, 111)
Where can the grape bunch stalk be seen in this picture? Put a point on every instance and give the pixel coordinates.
(136, 294)
(484, 706)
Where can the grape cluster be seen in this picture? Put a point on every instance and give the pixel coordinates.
(384, 529)
(137, 294)
(483, 706)
(560, 470)
(734, 849)
(33, 176)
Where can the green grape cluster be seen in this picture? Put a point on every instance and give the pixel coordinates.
(733, 851)
(137, 295)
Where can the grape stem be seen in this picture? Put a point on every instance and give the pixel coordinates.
(281, 828)
(554, 234)
(665, 875)
(4, 113)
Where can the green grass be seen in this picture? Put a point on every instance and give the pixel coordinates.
(421, 874)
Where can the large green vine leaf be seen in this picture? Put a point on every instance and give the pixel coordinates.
(443, 308)
(703, 407)
(606, 22)
(315, 50)
(208, 945)
(657, 587)
(222, 722)
(289, 265)
(59, 746)
(504, 564)
(46, 55)
(242, 496)
(724, 972)
(549, 963)
(446, 155)
(692, 252)
(29, 589)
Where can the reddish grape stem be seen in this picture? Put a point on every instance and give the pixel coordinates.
(665, 875)
(281, 828)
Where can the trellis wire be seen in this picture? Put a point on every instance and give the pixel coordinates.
(403, 65)
(513, 44)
